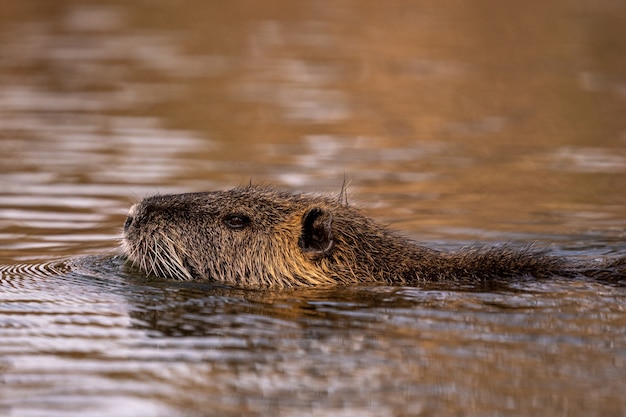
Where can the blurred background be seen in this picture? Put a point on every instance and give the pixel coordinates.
(453, 121)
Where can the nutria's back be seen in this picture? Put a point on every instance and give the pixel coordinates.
(258, 237)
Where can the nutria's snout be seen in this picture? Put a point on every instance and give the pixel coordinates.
(130, 217)
(154, 242)
(258, 237)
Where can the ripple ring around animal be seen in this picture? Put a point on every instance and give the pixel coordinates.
(257, 237)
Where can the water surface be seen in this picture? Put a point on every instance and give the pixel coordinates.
(453, 122)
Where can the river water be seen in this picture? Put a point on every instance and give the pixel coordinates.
(455, 122)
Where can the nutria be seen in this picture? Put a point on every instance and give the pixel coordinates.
(255, 236)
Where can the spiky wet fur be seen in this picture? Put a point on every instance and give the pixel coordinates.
(183, 237)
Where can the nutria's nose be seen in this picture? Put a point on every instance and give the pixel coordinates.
(130, 218)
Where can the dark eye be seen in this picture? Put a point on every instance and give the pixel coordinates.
(236, 221)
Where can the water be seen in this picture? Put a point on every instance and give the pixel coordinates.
(452, 122)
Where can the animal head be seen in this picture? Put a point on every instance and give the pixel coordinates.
(250, 236)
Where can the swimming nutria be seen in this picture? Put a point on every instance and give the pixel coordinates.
(255, 236)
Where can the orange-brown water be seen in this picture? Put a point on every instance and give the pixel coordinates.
(455, 122)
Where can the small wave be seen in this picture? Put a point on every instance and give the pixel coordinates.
(94, 269)
(9, 274)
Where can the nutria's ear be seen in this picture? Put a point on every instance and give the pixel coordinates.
(316, 239)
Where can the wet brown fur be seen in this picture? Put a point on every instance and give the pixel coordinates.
(291, 240)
